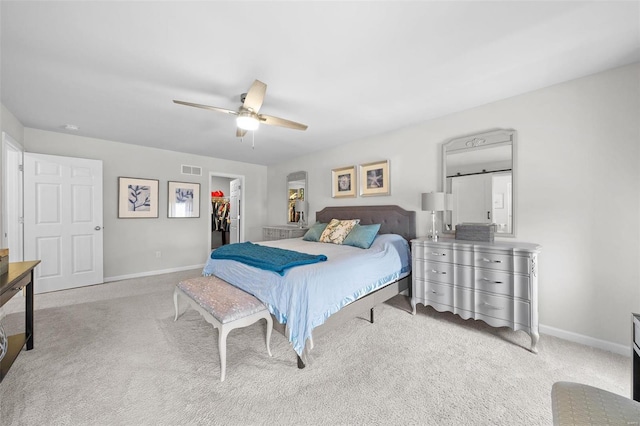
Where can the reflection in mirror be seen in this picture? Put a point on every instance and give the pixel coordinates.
(479, 173)
(296, 191)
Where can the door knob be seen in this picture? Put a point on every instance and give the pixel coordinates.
(97, 228)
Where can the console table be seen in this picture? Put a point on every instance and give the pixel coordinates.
(494, 282)
(19, 276)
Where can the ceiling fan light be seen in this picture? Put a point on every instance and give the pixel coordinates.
(246, 121)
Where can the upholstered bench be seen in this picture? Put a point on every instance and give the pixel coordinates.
(578, 404)
(225, 307)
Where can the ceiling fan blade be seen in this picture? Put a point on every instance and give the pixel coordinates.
(212, 108)
(255, 96)
(276, 121)
(240, 132)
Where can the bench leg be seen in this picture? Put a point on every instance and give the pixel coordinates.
(222, 348)
(269, 329)
(175, 302)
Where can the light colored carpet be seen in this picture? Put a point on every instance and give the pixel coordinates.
(112, 355)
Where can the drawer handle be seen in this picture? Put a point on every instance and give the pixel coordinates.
(497, 308)
(17, 288)
(491, 282)
(435, 292)
(438, 272)
(438, 254)
(484, 259)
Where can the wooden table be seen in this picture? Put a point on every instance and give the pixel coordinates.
(20, 276)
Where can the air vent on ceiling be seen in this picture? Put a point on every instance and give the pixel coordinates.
(191, 170)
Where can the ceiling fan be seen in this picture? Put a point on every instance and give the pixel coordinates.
(247, 117)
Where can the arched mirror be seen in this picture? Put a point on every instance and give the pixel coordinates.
(479, 173)
(297, 198)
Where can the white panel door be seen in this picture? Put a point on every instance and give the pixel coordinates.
(234, 211)
(63, 220)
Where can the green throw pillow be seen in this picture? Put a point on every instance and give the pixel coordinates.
(362, 236)
(314, 232)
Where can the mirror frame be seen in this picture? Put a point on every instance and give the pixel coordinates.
(470, 142)
(293, 177)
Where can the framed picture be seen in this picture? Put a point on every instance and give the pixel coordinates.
(374, 179)
(343, 182)
(137, 198)
(184, 199)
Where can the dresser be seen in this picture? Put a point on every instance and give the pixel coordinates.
(281, 232)
(494, 282)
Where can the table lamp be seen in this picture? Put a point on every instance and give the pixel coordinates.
(433, 202)
(301, 207)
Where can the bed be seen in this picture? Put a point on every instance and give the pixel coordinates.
(307, 301)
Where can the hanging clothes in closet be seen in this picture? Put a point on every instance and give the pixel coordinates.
(220, 219)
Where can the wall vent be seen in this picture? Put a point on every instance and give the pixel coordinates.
(191, 170)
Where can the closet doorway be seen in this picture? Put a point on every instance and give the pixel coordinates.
(227, 204)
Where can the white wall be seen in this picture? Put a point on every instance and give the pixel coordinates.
(130, 244)
(10, 124)
(578, 186)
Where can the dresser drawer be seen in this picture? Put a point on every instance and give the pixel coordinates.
(432, 292)
(503, 308)
(432, 253)
(434, 271)
(502, 283)
(502, 262)
(298, 232)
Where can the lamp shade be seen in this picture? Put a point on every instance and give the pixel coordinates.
(301, 206)
(433, 201)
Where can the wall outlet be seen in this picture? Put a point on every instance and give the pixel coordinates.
(158, 254)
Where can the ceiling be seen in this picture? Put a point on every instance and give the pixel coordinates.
(348, 70)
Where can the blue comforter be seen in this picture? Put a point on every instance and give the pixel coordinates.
(263, 257)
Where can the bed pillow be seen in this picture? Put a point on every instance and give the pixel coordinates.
(362, 236)
(314, 232)
(337, 230)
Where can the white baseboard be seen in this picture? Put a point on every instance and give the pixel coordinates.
(586, 340)
(151, 273)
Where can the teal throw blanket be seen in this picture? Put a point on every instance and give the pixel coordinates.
(263, 257)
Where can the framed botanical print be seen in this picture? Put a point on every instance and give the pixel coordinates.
(137, 198)
(374, 179)
(183, 199)
(343, 182)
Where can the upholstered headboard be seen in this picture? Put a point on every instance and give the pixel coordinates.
(392, 219)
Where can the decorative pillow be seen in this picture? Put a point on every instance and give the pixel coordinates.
(362, 236)
(337, 230)
(314, 232)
